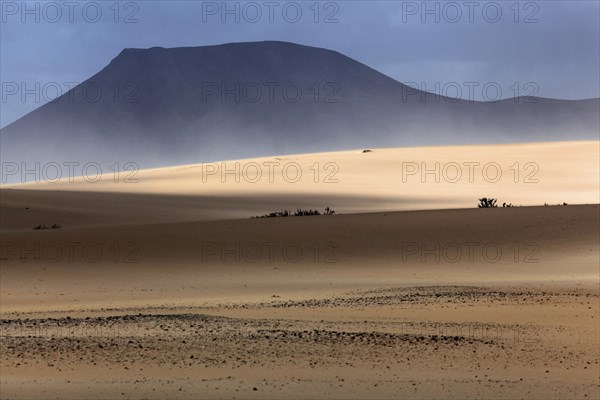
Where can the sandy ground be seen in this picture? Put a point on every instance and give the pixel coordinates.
(417, 178)
(140, 296)
(424, 342)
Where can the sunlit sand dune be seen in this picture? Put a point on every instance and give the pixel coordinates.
(348, 182)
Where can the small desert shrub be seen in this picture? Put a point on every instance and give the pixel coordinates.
(40, 227)
(298, 213)
(485, 202)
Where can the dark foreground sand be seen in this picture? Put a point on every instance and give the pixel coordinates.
(378, 321)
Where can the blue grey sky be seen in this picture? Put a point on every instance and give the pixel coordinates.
(544, 48)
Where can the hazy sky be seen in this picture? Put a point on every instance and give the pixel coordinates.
(545, 48)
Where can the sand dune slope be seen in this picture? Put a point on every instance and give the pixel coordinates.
(166, 288)
(196, 263)
(349, 182)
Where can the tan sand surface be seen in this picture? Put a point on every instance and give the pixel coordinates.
(170, 290)
(349, 182)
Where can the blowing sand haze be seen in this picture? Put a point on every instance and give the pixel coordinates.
(328, 200)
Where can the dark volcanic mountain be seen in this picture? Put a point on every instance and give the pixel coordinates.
(172, 106)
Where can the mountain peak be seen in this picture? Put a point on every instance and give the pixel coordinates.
(237, 100)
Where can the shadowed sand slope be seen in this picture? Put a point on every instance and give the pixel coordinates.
(359, 306)
(194, 263)
(349, 182)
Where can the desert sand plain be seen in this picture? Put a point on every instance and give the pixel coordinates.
(165, 287)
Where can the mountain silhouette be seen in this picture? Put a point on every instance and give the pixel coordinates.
(162, 106)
